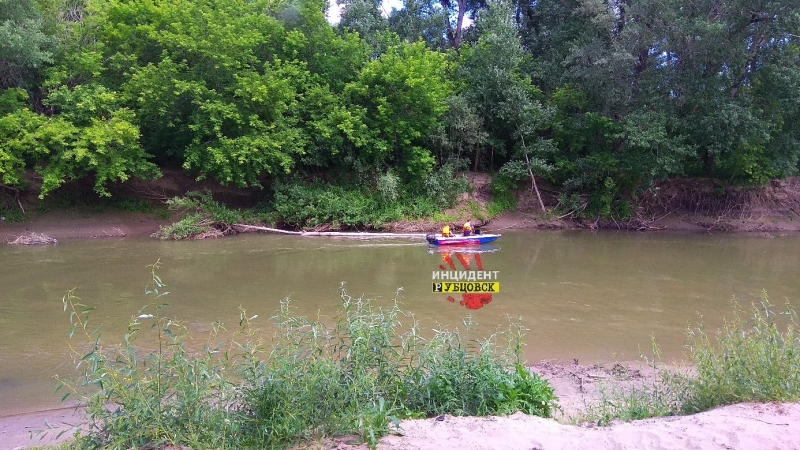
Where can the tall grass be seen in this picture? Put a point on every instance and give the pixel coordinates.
(356, 374)
(139, 398)
(755, 357)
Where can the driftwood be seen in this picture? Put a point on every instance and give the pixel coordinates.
(32, 239)
(242, 228)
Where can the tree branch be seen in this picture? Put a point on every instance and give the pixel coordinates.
(16, 195)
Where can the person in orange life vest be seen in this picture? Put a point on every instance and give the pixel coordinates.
(446, 231)
(468, 229)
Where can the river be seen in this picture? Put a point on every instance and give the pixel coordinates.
(591, 296)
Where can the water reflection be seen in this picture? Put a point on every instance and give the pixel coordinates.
(478, 282)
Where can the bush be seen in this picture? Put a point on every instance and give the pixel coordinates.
(188, 227)
(130, 204)
(753, 360)
(361, 375)
(502, 188)
(207, 219)
(442, 187)
(371, 369)
(310, 205)
(143, 399)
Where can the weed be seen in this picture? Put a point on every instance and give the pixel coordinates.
(130, 204)
(11, 215)
(753, 360)
(207, 219)
(360, 375)
(503, 199)
(162, 214)
(191, 225)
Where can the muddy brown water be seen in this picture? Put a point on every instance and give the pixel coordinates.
(592, 296)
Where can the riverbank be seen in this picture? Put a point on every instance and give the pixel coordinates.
(749, 426)
(680, 205)
(88, 224)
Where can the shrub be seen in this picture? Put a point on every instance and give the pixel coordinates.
(207, 219)
(136, 398)
(309, 205)
(370, 369)
(502, 188)
(753, 360)
(360, 375)
(188, 227)
(442, 187)
(130, 204)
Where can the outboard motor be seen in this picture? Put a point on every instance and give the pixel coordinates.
(431, 238)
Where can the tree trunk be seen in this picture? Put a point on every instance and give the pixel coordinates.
(454, 35)
(533, 184)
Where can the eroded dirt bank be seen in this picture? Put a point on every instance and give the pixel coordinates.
(695, 204)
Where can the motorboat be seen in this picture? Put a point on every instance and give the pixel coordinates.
(473, 239)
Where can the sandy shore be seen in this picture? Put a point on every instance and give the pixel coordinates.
(32, 430)
(745, 426)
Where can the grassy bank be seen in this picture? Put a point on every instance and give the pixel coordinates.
(754, 358)
(321, 205)
(359, 375)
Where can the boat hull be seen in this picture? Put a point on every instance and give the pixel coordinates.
(476, 239)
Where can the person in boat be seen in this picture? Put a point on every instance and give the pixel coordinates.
(468, 229)
(446, 231)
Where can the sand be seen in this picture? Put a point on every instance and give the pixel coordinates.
(743, 426)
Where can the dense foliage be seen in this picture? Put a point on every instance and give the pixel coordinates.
(599, 97)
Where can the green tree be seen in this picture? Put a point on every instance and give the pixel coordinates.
(511, 113)
(400, 99)
(724, 58)
(220, 87)
(420, 19)
(460, 135)
(364, 17)
(14, 119)
(24, 46)
(666, 88)
(91, 137)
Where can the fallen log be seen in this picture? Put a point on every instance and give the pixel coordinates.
(363, 235)
(242, 228)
